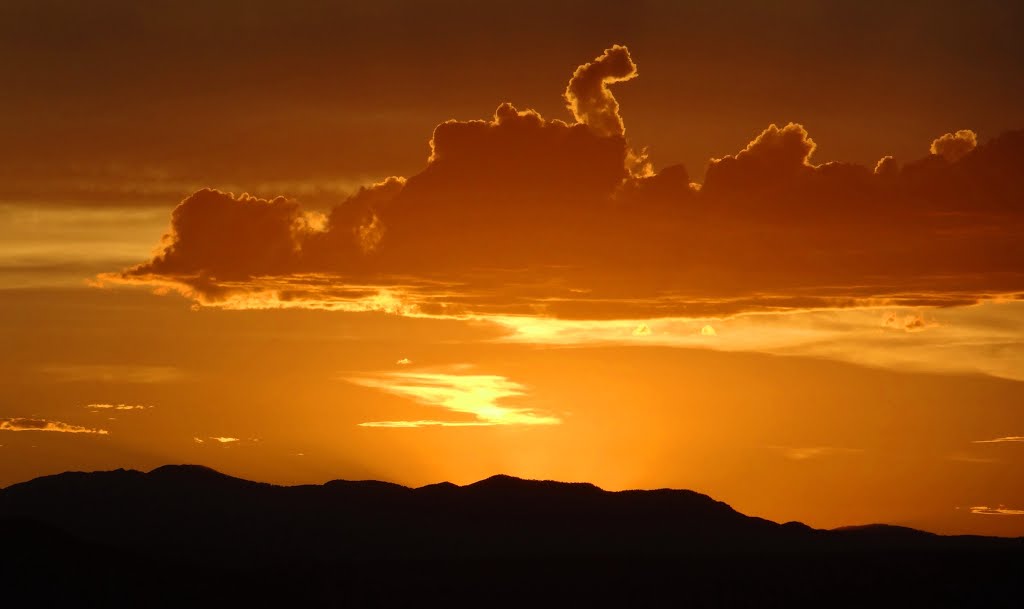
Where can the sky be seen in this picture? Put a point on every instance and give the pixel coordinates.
(769, 253)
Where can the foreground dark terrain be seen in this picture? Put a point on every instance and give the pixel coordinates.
(187, 536)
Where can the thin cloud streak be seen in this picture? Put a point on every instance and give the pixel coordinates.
(1001, 440)
(803, 453)
(121, 407)
(995, 511)
(91, 373)
(25, 424)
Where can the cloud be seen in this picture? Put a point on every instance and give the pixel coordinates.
(88, 373)
(217, 439)
(98, 407)
(886, 166)
(642, 330)
(588, 97)
(477, 395)
(981, 339)
(23, 424)
(1001, 440)
(911, 322)
(963, 457)
(523, 215)
(812, 452)
(230, 237)
(996, 511)
(405, 361)
(953, 146)
(774, 155)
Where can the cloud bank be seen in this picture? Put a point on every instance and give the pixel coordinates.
(524, 215)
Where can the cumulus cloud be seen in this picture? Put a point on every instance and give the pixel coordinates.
(588, 96)
(886, 166)
(24, 424)
(774, 154)
(953, 146)
(527, 215)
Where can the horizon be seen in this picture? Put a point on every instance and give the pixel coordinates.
(772, 255)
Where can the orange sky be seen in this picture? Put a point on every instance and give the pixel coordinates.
(771, 255)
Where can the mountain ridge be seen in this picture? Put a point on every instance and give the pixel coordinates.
(196, 537)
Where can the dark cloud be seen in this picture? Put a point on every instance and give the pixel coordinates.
(527, 215)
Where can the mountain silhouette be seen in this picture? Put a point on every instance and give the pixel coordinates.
(189, 535)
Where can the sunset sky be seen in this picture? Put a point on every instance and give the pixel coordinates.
(770, 252)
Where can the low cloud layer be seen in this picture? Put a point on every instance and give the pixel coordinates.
(524, 215)
(23, 424)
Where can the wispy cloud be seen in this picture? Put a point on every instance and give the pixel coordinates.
(23, 424)
(910, 322)
(963, 457)
(90, 373)
(802, 453)
(122, 407)
(981, 339)
(217, 439)
(996, 511)
(478, 395)
(1000, 440)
